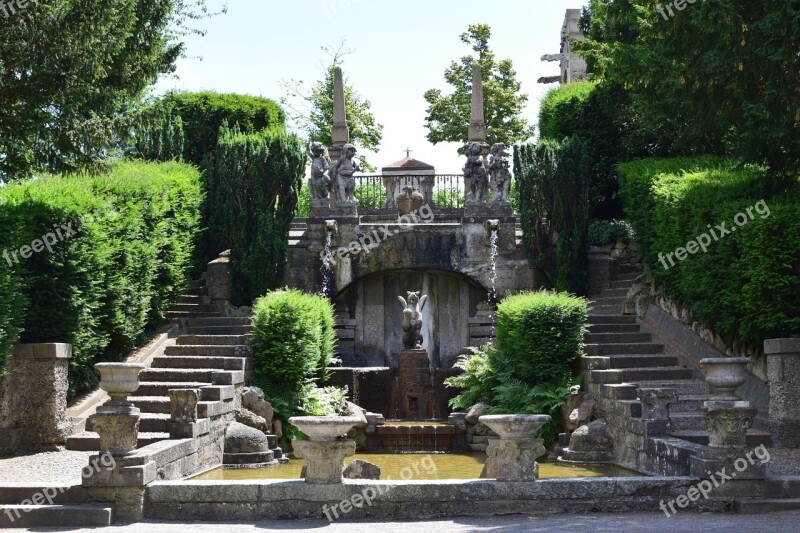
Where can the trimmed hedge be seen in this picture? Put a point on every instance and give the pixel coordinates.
(122, 245)
(203, 113)
(293, 340)
(562, 108)
(748, 282)
(539, 336)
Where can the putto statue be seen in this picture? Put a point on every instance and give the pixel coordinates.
(476, 180)
(412, 319)
(500, 174)
(342, 176)
(320, 182)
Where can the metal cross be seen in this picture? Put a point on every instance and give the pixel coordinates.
(408, 152)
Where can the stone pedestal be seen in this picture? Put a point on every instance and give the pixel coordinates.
(33, 398)
(119, 432)
(513, 460)
(783, 373)
(324, 460)
(218, 280)
(727, 424)
(414, 392)
(183, 412)
(656, 402)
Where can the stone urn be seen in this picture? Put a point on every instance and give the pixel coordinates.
(409, 202)
(119, 380)
(515, 427)
(324, 428)
(724, 375)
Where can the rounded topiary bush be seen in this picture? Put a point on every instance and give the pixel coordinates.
(293, 339)
(539, 335)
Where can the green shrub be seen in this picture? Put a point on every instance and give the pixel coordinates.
(747, 284)
(370, 195)
(477, 380)
(11, 305)
(252, 197)
(203, 113)
(602, 232)
(293, 339)
(539, 335)
(303, 208)
(124, 243)
(561, 111)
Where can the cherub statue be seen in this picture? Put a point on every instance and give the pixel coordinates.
(412, 319)
(475, 177)
(342, 175)
(500, 174)
(320, 182)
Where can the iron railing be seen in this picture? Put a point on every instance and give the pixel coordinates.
(377, 193)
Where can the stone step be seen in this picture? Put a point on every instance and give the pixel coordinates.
(621, 292)
(192, 299)
(209, 351)
(150, 388)
(220, 321)
(175, 315)
(619, 391)
(755, 437)
(151, 404)
(177, 374)
(14, 493)
(614, 318)
(609, 362)
(196, 291)
(220, 330)
(629, 269)
(154, 422)
(625, 348)
(90, 442)
(212, 340)
(686, 422)
(197, 283)
(185, 362)
(597, 309)
(603, 301)
(61, 516)
(193, 308)
(681, 387)
(614, 328)
(782, 487)
(615, 338)
(624, 285)
(688, 403)
(765, 505)
(625, 375)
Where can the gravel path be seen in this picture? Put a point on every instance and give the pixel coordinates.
(46, 467)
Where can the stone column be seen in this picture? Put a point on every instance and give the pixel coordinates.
(340, 133)
(218, 280)
(513, 460)
(783, 373)
(477, 123)
(324, 460)
(33, 398)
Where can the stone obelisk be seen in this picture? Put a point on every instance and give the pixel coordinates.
(340, 133)
(477, 124)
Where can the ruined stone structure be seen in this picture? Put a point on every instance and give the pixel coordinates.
(573, 67)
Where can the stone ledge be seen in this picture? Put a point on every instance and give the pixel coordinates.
(52, 350)
(782, 347)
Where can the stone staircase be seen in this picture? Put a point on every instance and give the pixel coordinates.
(50, 505)
(214, 351)
(621, 357)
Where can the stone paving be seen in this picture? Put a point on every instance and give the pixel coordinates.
(611, 523)
(46, 467)
(784, 462)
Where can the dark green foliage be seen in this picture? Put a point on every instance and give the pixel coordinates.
(539, 339)
(204, 113)
(159, 137)
(561, 111)
(553, 199)
(748, 282)
(723, 74)
(71, 70)
(11, 305)
(603, 232)
(293, 342)
(252, 197)
(99, 289)
(539, 335)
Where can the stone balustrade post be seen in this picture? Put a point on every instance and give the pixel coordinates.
(183, 412)
(783, 373)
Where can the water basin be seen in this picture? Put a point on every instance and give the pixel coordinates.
(417, 467)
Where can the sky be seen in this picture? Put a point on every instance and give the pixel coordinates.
(400, 50)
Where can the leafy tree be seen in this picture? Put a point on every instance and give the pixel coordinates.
(68, 68)
(723, 75)
(449, 115)
(313, 111)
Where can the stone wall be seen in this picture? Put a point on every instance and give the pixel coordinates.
(33, 398)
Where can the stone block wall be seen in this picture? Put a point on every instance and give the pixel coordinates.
(33, 398)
